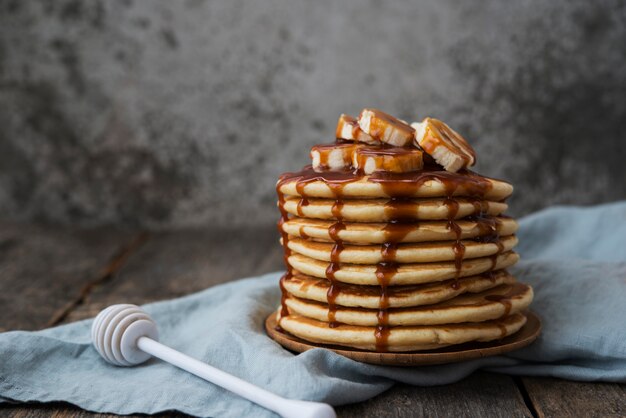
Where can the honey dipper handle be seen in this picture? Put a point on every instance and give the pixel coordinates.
(285, 407)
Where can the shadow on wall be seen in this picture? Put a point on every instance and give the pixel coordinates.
(168, 114)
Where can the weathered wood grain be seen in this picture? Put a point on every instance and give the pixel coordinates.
(480, 395)
(562, 398)
(44, 270)
(65, 410)
(173, 264)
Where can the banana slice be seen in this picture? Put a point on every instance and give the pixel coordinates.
(385, 128)
(392, 159)
(335, 156)
(444, 144)
(348, 128)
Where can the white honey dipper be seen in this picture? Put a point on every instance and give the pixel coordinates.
(125, 335)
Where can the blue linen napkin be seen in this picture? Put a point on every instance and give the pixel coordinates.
(575, 258)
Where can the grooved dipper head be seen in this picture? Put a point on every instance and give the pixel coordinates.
(115, 332)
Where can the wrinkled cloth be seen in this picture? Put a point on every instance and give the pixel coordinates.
(575, 258)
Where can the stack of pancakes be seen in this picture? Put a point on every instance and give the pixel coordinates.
(397, 261)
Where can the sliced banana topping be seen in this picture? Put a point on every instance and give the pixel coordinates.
(335, 156)
(445, 145)
(348, 128)
(392, 159)
(385, 128)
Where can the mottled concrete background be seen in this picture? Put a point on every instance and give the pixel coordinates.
(183, 113)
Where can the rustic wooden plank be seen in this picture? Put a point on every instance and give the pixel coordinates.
(65, 410)
(44, 270)
(173, 264)
(556, 398)
(480, 395)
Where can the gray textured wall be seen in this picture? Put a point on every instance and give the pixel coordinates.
(183, 113)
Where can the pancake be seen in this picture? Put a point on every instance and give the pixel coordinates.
(406, 273)
(316, 289)
(383, 210)
(415, 184)
(471, 307)
(400, 339)
(424, 252)
(378, 233)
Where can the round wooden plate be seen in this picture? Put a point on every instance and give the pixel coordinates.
(529, 333)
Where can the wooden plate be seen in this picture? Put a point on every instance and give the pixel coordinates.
(529, 333)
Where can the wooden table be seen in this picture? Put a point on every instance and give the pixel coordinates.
(53, 275)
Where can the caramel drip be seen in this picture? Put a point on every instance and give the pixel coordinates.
(516, 290)
(334, 266)
(401, 209)
(334, 289)
(459, 253)
(407, 184)
(388, 252)
(301, 232)
(480, 206)
(488, 227)
(459, 249)
(337, 208)
(396, 230)
(334, 230)
(384, 272)
(302, 202)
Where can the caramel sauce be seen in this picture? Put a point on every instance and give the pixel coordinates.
(396, 230)
(388, 252)
(407, 184)
(302, 202)
(334, 230)
(337, 208)
(335, 288)
(384, 273)
(516, 290)
(400, 210)
(395, 185)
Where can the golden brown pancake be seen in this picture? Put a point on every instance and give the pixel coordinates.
(363, 188)
(313, 288)
(383, 210)
(491, 304)
(403, 338)
(424, 252)
(378, 233)
(418, 273)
